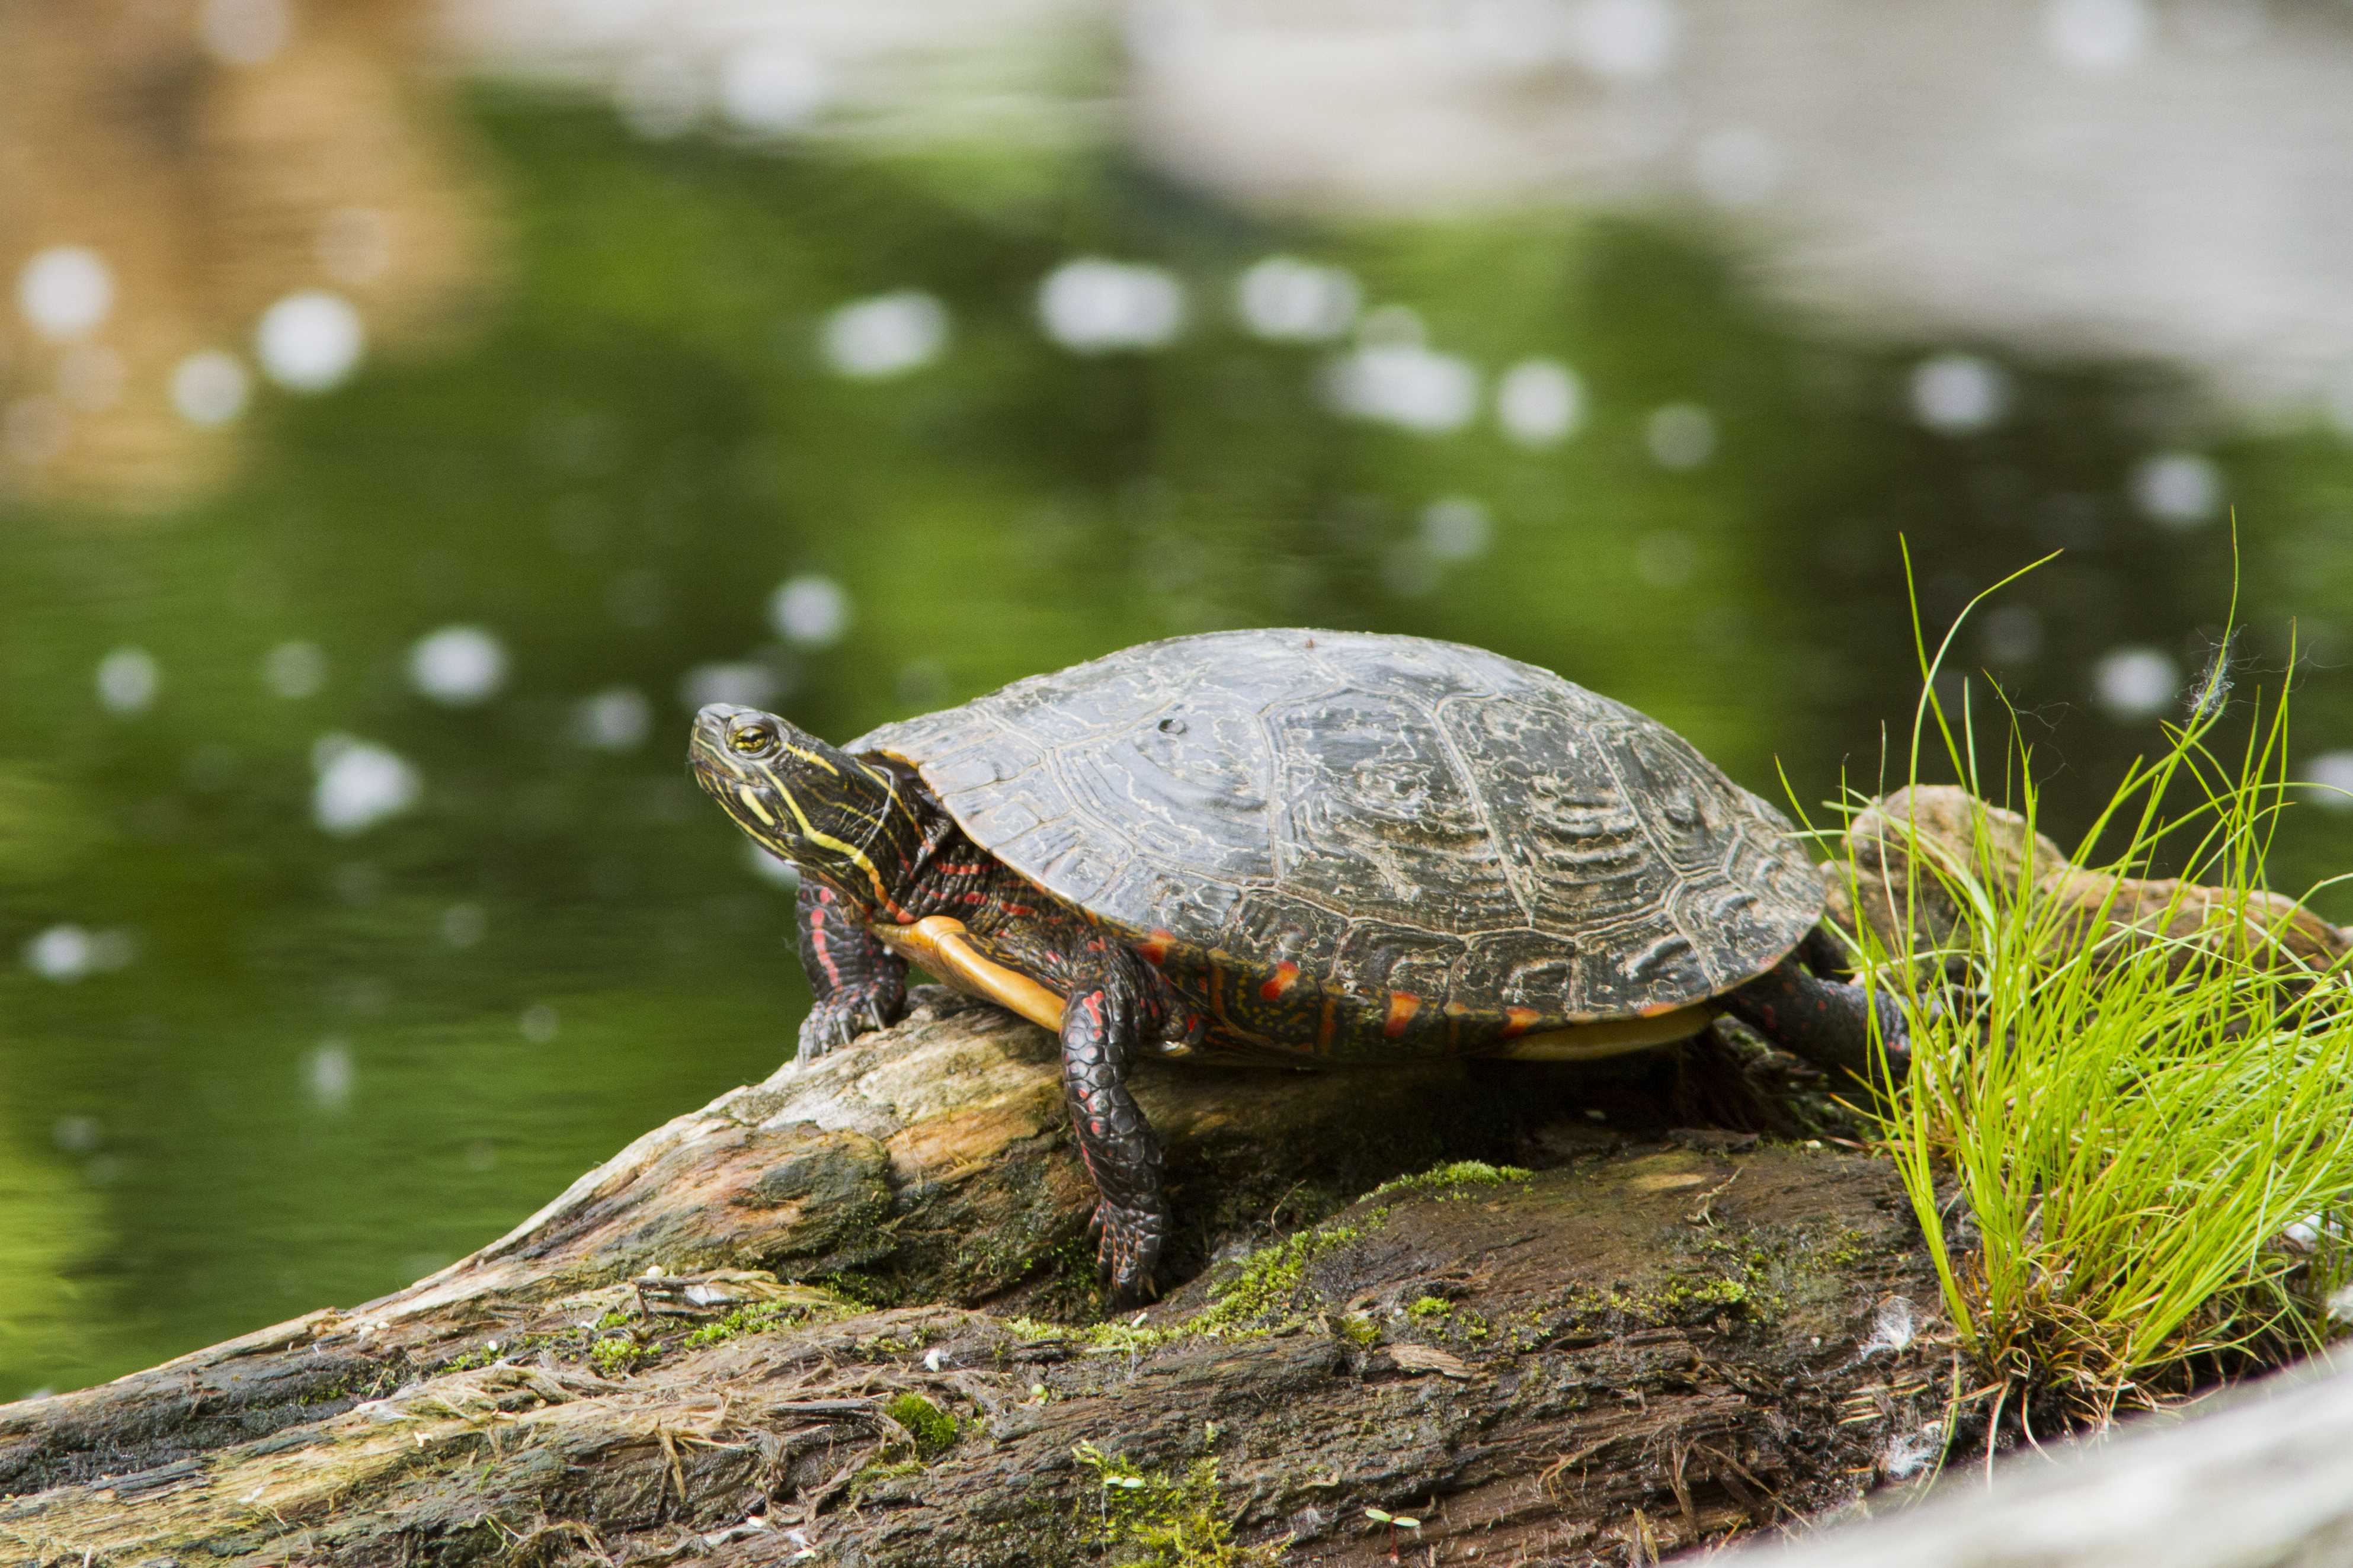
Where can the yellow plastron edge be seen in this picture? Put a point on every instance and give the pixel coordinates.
(1610, 1038)
(942, 946)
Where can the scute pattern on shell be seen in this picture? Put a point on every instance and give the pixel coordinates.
(1392, 814)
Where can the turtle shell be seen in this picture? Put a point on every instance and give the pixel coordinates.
(1386, 813)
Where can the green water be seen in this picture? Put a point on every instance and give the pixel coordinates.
(332, 1063)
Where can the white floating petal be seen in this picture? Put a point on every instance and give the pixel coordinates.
(1958, 394)
(458, 665)
(209, 388)
(811, 611)
(2135, 683)
(127, 680)
(309, 340)
(1540, 402)
(2179, 490)
(1681, 436)
(1404, 385)
(1095, 305)
(1289, 301)
(615, 719)
(888, 335)
(65, 293)
(360, 785)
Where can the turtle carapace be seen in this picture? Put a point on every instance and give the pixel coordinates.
(1308, 848)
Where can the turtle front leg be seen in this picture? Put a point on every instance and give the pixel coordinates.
(1827, 1022)
(1106, 1014)
(860, 985)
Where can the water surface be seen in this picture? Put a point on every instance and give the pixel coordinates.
(250, 1066)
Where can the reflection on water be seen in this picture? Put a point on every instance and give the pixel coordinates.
(196, 196)
(357, 895)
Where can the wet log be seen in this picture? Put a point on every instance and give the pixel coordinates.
(1529, 1312)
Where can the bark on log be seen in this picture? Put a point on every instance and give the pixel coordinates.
(1956, 837)
(2258, 1477)
(1656, 1336)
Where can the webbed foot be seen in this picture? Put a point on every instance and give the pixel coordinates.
(841, 1017)
(1128, 1247)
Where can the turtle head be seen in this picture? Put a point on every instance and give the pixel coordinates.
(828, 813)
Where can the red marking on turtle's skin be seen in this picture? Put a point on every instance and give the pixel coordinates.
(1403, 1005)
(1285, 976)
(820, 935)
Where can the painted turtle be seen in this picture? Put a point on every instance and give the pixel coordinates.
(1304, 846)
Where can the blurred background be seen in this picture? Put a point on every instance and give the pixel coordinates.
(409, 413)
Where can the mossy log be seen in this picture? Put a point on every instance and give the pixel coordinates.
(845, 1315)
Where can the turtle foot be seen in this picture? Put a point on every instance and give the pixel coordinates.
(1128, 1247)
(845, 1015)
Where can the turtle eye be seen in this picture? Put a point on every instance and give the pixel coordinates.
(752, 739)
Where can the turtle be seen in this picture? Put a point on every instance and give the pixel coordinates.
(1306, 848)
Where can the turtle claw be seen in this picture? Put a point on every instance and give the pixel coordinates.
(1127, 1245)
(840, 1018)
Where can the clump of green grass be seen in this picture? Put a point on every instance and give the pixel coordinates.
(2140, 1106)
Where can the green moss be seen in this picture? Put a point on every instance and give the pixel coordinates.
(806, 1305)
(932, 1429)
(616, 1355)
(1150, 1520)
(1682, 1300)
(873, 1475)
(1429, 1306)
(1848, 1248)
(1263, 1293)
(740, 1322)
(1443, 1179)
(1712, 1293)
(1037, 1329)
(859, 1290)
(1270, 1279)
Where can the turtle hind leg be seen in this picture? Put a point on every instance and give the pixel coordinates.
(1827, 1022)
(1108, 1013)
